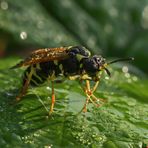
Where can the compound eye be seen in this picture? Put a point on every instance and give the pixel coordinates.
(98, 60)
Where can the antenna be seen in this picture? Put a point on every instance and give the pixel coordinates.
(122, 59)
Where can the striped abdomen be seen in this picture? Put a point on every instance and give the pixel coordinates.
(51, 70)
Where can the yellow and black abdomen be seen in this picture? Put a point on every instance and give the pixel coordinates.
(51, 70)
(42, 72)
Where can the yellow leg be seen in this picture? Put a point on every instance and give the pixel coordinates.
(25, 86)
(98, 100)
(94, 97)
(85, 89)
(95, 87)
(84, 109)
(52, 99)
(90, 96)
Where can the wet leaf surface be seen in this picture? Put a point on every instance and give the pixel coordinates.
(121, 122)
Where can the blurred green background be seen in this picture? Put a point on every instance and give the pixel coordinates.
(112, 28)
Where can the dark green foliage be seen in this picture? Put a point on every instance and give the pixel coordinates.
(120, 122)
(111, 28)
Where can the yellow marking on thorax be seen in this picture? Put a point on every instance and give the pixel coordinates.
(73, 77)
(79, 57)
(102, 67)
(69, 47)
(86, 77)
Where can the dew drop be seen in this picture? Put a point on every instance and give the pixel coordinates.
(107, 78)
(145, 17)
(129, 81)
(135, 78)
(48, 88)
(127, 75)
(113, 12)
(1, 109)
(23, 35)
(40, 25)
(108, 28)
(4, 5)
(48, 146)
(125, 69)
(9, 94)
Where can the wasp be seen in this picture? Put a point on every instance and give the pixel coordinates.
(73, 62)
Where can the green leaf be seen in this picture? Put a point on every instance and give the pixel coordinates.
(111, 28)
(120, 122)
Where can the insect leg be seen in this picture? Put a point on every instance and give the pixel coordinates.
(52, 99)
(81, 84)
(99, 100)
(88, 86)
(96, 84)
(26, 84)
(87, 92)
(95, 87)
(84, 109)
(93, 96)
(93, 90)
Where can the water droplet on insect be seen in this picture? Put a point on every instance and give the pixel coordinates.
(4, 5)
(23, 35)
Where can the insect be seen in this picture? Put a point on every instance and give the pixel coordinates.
(73, 62)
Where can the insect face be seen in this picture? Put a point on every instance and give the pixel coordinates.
(101, 63)
(95, 64)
